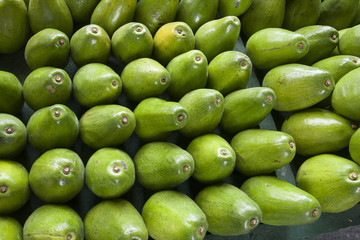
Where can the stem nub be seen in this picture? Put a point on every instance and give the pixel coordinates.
(66, 170)
(10, 130)
(253, 222)
(353, 176)
(116, 169)
(3, 189)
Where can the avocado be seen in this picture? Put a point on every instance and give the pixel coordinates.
(234, 7)
(173, 215)
(336, 50)
(81, 10)
(11, 98)
(10, 228)
(354, 146)
(348, 43)
(301, 13)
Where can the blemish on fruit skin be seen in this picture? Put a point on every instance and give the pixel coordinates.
(50, 88)
(201, 230)
(124, 165)
(353, 126)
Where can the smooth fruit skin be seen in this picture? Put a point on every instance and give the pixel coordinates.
(52, 220)
(282, 203)
(354, 146)
(10, 228)
(229, 211)
(301, 13)
(333, 180)
(14, 26)
(234, 7)
(81, 11)
(121, 221)
(49, 47)
(348, 43)
(14, 186)
(162, 165)
(11, 98)
(213, 156)
(96, 84)
(57, 176)
(110, 173)
(46, 86)
(173, 215)
(51, 127)
(13, 136)
(106, 126)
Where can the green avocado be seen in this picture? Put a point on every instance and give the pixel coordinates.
(110, 173)
(272, 47)
(51, 127)
(229, 71)
(157, 118)
(154, 14)
(14, 27)
(336, 50)
(11, 98)
(57, 176)
(246, 108)
(282, 203)
(333, 180)
(356, 19)
(171, 40)
(120, 221)
(96, 84)
(173, 215)
(14, 186)
(50, 14)
(196, 12)
(132, 41)
(354, 146)
(10, 228)
(13, 136)
(234, 7)
(349, 42)
(229, 210)
(318, 131)
(106, 126)
(81, 10)
(90, 44)
(112, 14)
(188, 71)
(261, 151)
(205, 108)
(301, 13)
(213, 156)
(52, 221)
(217, 36)
(162, 165)
(144, 78)
(46, 86)
(49, 47)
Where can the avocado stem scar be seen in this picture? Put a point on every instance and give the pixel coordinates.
(114, 83)
(180, 118)
(3, 189)
(66, 170)
(197, 58)
(124, 120)
(68, 237)
(353, 176)
(333, 37)
(269, 99)
(94, 30)
(353, 126)
(243, 64)
(201, 230)
(138, 29)
(315, 213)
(57, 113)
(9, 130)
(354, 60)
(327, 83)
(224, 152)
(116, 169)
(301, 45)
(58, 78)
(179, 31)
(61, 41)
(163, 79)
(253, 222)
(291, 144)
(186, 168)
(217, 101)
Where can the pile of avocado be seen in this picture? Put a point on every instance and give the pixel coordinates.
(167, 79)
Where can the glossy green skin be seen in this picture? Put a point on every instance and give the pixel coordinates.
(173, 215)
(121, 221)
(106, 126)
(47, 131)
(117, 14)
(157, 118)
(10, 228)
(337, 14)
(229, 71)
(14, 26)
(298, 86)
(349, 43)
(346, 96)
(272, 47)
(50, 14)
(282, 203)
(90, 44)
(144, 78)
(11, 143)
(229, 211)
(261, 151)
(205, 108)
(132, 41)
(196, 12)
(213, 156)
(301, 13)
(45, 49)
(14, 176)
(41, 87)
(96, 84)
(162, 165)
(11, 98)
(327, 178)
(48, 180)
(336, 50)
(322, 41)
(81, 10)
(356, 19)
(263, 14)
(354, 146)
(246, 108)
(234, 7)
(188, 71)
(154, 14)
(171, 40)
(103, 180)
(217, 36)
(53, 221)
(318, 131)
